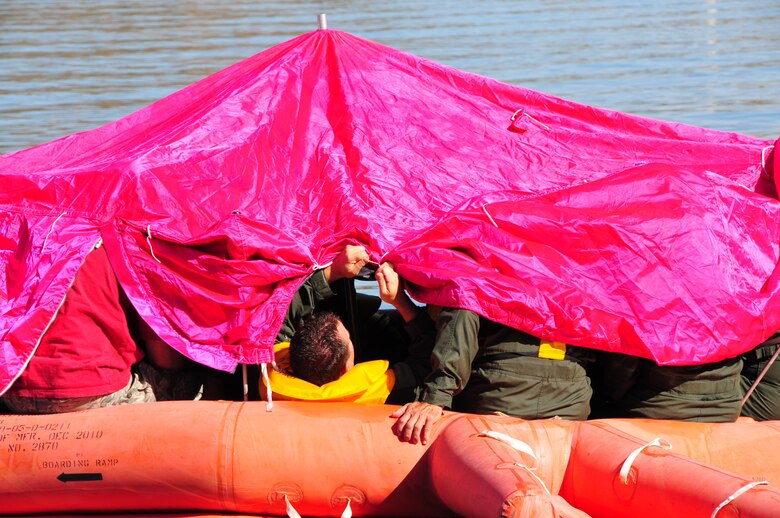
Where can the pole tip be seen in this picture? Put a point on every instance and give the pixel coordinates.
(322, 22)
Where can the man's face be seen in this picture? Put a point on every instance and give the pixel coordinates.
(343, 335)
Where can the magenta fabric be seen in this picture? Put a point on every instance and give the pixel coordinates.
(88, 352)
(573, 223)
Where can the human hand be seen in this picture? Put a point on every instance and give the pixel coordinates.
(389, 283)
(414, 421)
(391, 290)
(347, 264)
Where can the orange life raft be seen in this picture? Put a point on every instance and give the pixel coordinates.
(215, 458)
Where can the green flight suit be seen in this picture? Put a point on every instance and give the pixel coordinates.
(638, 387)
(479, 366)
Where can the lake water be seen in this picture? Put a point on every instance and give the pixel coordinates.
(68, 66)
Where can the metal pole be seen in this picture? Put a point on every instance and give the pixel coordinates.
(322, 22)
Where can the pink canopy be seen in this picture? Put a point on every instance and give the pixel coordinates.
(573, 223)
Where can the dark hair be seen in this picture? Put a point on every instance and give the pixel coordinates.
(317, 355)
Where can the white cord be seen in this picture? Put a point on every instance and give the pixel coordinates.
(535, 476)
(321, 266)
(545, 126)
(45, 239)
(149, 242)
(269, 401)
(763, 156)
(520, 112)
(484, 209)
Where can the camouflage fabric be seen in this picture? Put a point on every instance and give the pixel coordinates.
(147, 384)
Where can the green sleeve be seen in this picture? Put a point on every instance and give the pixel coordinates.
(312, 292)
(454, 351)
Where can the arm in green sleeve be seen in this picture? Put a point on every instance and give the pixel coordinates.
(453, 353)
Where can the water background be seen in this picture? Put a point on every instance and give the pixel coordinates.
(69, 66)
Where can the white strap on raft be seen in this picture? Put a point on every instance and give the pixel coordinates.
(45, 239)
(517, 444)
(269, 400)
(511, 441)
(522, 447)
(760, 376)
(291, 512)
(662, 443)
(738, 492)
(347, 511)
(149, 242)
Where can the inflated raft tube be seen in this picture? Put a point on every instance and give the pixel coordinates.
(501, 466)
(747, 447)
(214, 457)
(325, 459)
(611, 473)
(593, 468)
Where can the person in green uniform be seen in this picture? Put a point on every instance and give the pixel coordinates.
(382, 334)
(480, 366)
(320, 347)
(316, 290)
(628, 386)
(321, 350)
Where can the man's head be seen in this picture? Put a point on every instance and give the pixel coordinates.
(321, 350)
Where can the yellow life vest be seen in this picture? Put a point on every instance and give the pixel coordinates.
(365, 383)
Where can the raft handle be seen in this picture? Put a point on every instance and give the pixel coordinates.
(626, 468)
(738, 492)
(291, 512)
(522, 447)
(517, 444)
